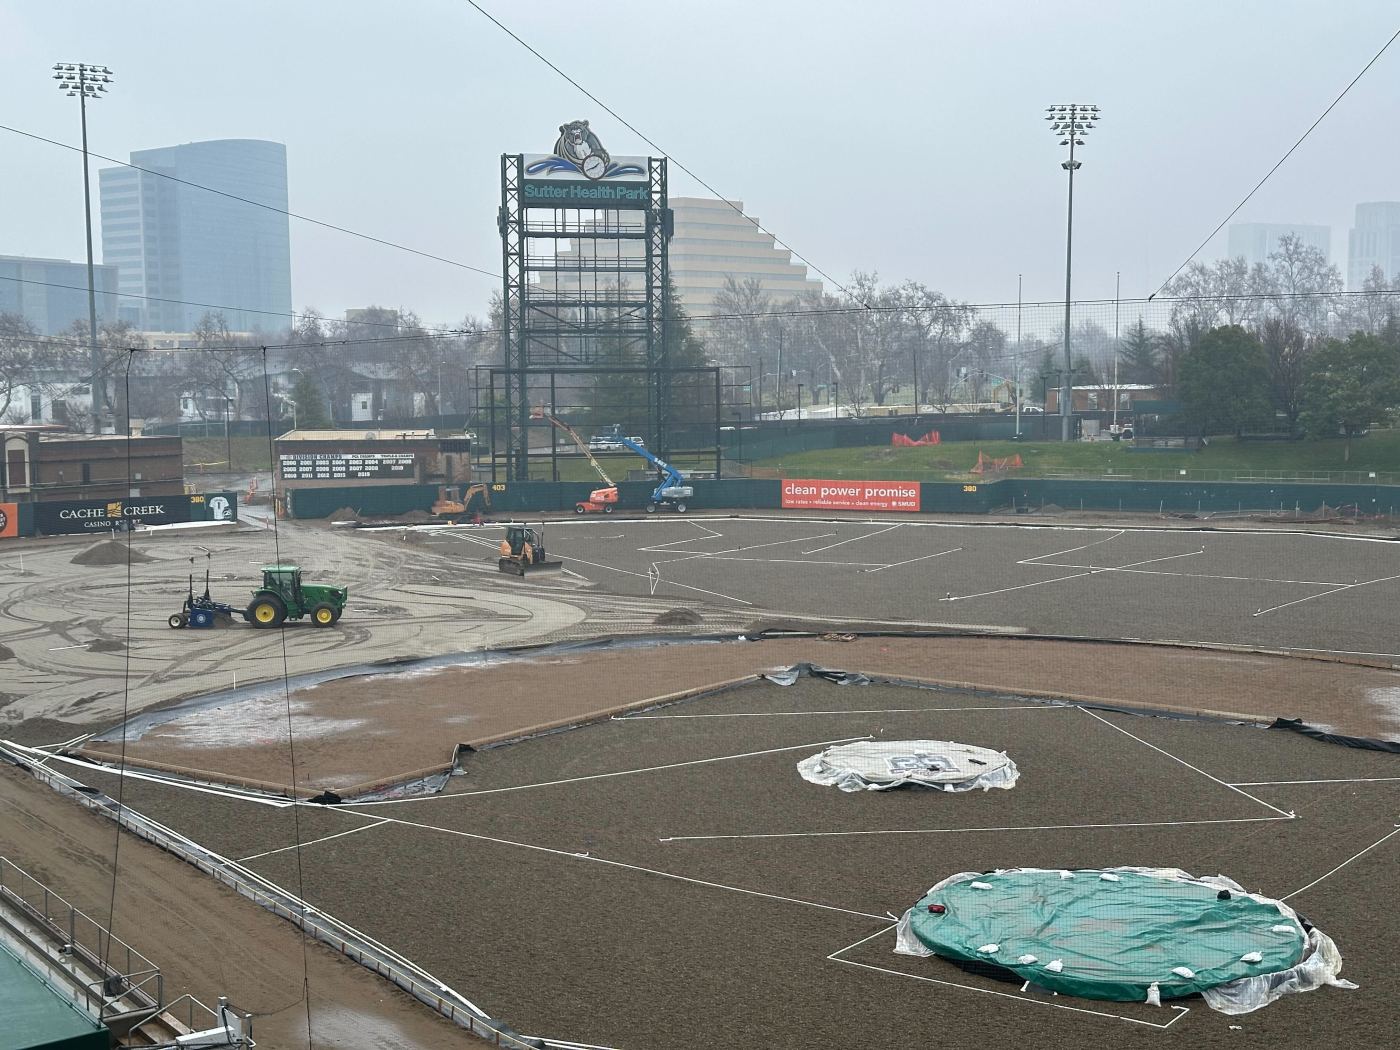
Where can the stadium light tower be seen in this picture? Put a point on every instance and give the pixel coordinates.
(86, 81)
(1070, 123)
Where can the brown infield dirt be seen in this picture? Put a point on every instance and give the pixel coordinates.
(354, 732)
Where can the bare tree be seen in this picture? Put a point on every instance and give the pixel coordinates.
(1287, 354)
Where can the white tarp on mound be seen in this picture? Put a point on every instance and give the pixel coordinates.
(870, 765)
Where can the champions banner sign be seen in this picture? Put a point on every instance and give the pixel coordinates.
(806, 494)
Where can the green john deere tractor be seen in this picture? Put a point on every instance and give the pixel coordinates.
(283, 596)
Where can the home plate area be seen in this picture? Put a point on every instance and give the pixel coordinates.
(667, 877)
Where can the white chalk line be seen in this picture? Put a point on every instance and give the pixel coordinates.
(1190, 575)
(971, 831)
(604, 776)
(709, 534)
(695, 555)
(1284, 783)
(986, 628)
(1343, 864)
(625, 866)
(835, 957)
(669, 583)
(1062, 579)
(1324, 594)
(324, 838)
(1188, 765)
(1072, 550)
(796, 561)
(852, 711)
(97, 767)
(853, 539)
(911, 561)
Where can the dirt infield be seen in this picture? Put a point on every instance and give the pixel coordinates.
(368, 729)
(592, 903)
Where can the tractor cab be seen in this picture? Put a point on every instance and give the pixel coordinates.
(523, 551)
(283, 596)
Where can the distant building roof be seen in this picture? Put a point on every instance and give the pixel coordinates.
(359, 435)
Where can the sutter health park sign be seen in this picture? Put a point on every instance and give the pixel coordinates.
(851, 495)
(536, 193)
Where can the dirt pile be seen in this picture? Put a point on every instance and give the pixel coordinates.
(343, 514)
(677, 618)
(6, 653)
(110, 552)
(106, 645)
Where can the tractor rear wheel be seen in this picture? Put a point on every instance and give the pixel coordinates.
(267, 610)
(323, 615)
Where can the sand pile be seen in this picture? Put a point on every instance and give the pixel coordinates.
(343, 514)
(109, 552)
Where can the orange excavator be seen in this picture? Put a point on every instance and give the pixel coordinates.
(599, 501)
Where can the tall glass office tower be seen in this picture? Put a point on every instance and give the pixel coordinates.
(171, 241)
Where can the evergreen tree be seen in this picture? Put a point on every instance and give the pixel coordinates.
(1138, 360)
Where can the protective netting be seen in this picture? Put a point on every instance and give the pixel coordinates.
(881, 765)
(1127, 934)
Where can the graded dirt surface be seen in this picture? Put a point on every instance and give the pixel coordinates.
(207, 940)
(370, 728)
(666, 878)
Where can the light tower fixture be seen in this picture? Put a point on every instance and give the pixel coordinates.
(87, 81)
(1070, 123)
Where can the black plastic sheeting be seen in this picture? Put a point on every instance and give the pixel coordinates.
(1297, 725)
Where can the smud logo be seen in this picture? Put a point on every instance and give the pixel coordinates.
(114, 509)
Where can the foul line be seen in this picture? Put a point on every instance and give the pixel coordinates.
(853, 711)
(911, 561)
(324, 838)
(866, 536)
(669, 583)
(1324, 594)
(1181, 1011)
(968, 831)
(1188, 765)
(711, 534)
(1062, 579)
(628, 867)
(1280, 783)
(696, 555)
(1344, 863)
(604, 776)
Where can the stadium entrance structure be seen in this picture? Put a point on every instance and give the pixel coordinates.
(596, 311)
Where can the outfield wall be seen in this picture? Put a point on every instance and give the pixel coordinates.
(936, 497)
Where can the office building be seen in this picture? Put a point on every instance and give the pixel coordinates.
(1256, 241)
(713, 240)
(172, 241)
(1374, 241)
(52, 293)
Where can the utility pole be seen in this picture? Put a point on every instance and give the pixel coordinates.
(1073, 122)
(1117, 347)
(85, 81)
(781, 414)
(1018, 358)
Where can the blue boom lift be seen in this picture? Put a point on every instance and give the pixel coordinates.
(672, 491)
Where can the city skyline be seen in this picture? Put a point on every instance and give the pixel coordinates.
(970, 201)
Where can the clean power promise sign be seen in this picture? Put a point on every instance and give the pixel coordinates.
(806, 494)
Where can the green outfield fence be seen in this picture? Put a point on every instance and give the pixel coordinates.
(1023, 495)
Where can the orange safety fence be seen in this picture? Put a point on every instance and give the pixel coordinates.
(986, 464)
(903, 441)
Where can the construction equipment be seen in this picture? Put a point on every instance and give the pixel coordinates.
(672, 491)
(474, 497)
(599, 501)
(283, 596)
(199, 610)
(523, 551)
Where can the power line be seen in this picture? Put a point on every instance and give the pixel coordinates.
(1275, 168)
(257, 204)
(630, 127)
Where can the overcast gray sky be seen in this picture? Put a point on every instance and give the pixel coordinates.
(903, 137)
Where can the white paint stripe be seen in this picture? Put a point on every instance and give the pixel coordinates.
(970, 831)
(604, 776)
(1344, 863)
(1187, 764)
(853, 539)
(1072, 550)
(853, 711)
(262, 800)
(1324, 594)
(1333, 652)
(628, 867)
(1181, 1011)
(988, 628)
(692, 556)
(324, 838)
(710, 534)
(669, 583)
(799, 561)
(911, 561)
(1062, 579)
(1282, 783)
(1190, 575)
